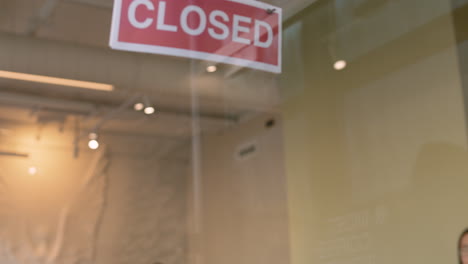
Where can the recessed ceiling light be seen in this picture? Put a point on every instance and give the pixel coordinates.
(56, 81)
(149, 110)
(93, 144)
(139, 106)
(340, 65)
(211, 68)
(32, 170)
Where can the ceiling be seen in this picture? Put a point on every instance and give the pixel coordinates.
(69, 39)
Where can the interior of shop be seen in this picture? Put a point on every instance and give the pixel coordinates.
(355, 154)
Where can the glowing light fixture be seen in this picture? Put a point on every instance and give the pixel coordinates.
(139, 106)
(211, 68)
(32, 170)
(149, 110)
(340, 65)
(56, 81)
(93, 144)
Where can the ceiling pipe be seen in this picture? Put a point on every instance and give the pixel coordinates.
(168, 80)
(39, 102)
(14, 154)
(93, 3)
(87, 109)
(93, 64)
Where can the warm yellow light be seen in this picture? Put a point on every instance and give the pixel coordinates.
(340, 65)
(32, 170)
(211, 68)
(149, 110)
(139, 106)
(56, 81)
(93, 144)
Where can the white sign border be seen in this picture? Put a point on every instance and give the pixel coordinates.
(114, 42)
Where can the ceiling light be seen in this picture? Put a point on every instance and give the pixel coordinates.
(139, 106)
(340, 65)
(93, 140)
(56, 81)
(32, 170)
(211, 68)
(149, 110)
(93, 144)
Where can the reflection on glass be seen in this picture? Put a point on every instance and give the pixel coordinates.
(355, 154)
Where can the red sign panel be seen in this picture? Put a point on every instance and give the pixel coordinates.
(241, 32)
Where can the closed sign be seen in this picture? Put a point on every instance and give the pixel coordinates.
(243, 33)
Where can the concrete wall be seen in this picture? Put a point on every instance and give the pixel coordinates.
(125, 203)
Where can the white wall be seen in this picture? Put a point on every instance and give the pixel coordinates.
(123, 205)
(145, 219)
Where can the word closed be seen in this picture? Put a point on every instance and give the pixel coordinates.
(243, 33)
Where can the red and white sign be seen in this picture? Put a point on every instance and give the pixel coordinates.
(241, 32)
